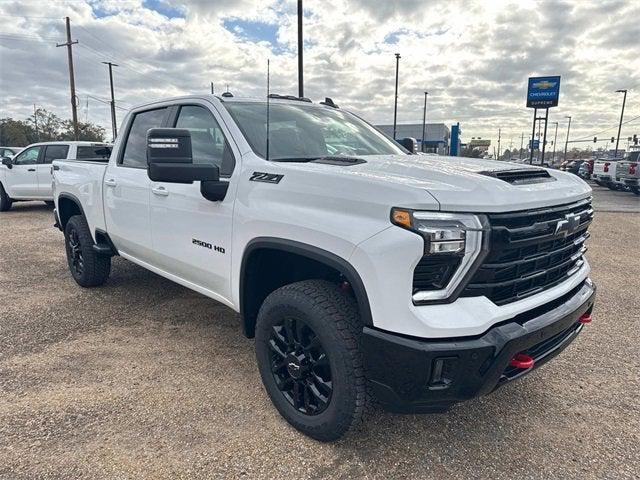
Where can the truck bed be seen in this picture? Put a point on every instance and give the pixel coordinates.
(82, 179)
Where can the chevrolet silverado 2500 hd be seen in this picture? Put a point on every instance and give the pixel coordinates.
(362, 271)
(27, 175)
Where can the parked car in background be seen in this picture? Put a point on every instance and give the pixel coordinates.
(571, 166)
(585, 170)
(27, 175)
(628, 171)
(604, 173)
(9, 152)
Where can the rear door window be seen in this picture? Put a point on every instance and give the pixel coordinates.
(96, 152)
(135, 150)
(55, 152)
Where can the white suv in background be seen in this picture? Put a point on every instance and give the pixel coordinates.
(27, 176)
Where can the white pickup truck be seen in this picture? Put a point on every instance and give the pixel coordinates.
(27, 175)
(363, 272)
(629, 170)
(606, 174)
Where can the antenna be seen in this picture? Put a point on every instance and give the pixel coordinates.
(268, 61)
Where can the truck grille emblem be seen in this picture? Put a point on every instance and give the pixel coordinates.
(569, 225)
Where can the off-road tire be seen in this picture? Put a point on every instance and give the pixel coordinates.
(5, 200)
(333, 316)
(78, 241)
(635, 190)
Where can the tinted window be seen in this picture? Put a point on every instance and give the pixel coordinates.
(96, 152)
(28, 157)
(135, 150)
(208, 144)
(55, 152)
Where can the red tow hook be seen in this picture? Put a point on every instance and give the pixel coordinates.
(586, 318)
(522, 361)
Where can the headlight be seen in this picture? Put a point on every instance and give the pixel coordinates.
(452, 243)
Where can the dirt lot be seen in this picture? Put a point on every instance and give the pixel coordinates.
(145, 379)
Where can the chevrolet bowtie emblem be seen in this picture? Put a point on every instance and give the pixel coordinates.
(569, 225)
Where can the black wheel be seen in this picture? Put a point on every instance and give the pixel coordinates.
(5, 200)
(308, 352)
(87, 267)
(635, 190)
(49, 203)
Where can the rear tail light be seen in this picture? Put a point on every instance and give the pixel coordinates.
(606, 167)
(632, 168)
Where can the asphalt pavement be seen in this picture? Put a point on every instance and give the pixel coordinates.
(142, 378)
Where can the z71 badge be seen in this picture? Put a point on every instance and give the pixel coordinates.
(265, 177)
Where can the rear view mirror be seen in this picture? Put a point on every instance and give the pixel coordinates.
(409, 143)
(169, 158)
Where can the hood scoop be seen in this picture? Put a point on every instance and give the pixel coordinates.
(523, 176)
(339, 161)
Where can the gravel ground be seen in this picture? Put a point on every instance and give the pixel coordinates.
(145, 379)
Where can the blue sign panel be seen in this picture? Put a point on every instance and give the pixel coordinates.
(536, 144)
(543, 92)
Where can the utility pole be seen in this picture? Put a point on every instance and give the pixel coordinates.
(521, 145)
(300, 49)
(555, 139)
(499, 133)
(211, 88)
(113, 101)
(35, 121)
(624, 100)
(424, 120)
(395, 103)
(566, 143)
(72, 82)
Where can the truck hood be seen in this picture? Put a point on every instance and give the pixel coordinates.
(467, 184)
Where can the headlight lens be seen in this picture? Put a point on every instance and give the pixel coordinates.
(452, 235)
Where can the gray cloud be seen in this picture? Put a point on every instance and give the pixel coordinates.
(473, 57)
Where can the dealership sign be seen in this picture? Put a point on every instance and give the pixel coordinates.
(543, 92)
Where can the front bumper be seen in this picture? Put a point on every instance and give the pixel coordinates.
(413, 375)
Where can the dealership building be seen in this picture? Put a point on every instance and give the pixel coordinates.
(436, 140)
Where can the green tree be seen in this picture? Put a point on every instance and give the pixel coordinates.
(86, 131)
(45, 126)
(15, 133)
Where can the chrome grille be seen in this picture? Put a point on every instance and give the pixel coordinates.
(531, 251)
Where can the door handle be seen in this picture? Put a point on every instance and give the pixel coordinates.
(110, 182)
(161, 191)
(31, 170)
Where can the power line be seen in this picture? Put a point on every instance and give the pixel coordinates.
(607, 129)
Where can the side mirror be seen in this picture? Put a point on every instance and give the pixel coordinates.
(170, 160)
(7, 162)
(409, 143)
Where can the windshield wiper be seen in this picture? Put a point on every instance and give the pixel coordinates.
(337, 158)
(294, 159)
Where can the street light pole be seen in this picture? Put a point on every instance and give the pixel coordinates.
(395, 103)
(566, 143)
(424, 120)
(624, 100)
(555, 139)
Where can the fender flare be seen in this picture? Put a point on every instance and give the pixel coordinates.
(314, 253)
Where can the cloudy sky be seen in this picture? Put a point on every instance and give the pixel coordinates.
(473, 57)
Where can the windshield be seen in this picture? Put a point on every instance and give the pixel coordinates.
(304, 132)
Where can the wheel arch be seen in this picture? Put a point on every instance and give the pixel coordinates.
(68, 206)
(311, 259)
